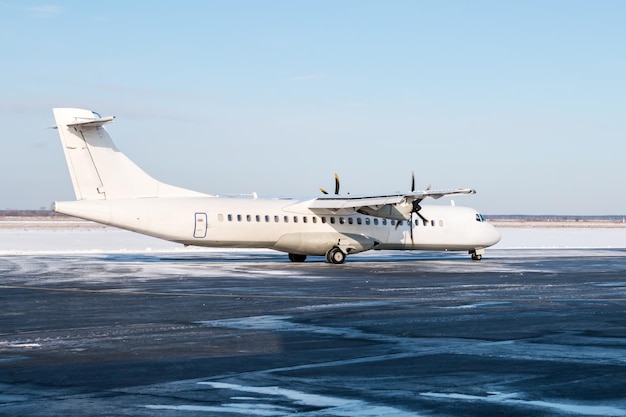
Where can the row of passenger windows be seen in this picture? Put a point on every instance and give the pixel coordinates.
(322, 219)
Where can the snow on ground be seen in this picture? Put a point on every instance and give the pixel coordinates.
(66, 238)
(561, 238)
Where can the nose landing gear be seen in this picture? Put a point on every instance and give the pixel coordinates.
(477, 254)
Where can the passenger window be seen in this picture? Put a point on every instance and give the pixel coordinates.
(267, 218)
(295, 219)
(248, 217)
(276, 219)
(393, 222)
(350, 220)
(286, 218)
(432, 223)
(304, 219)
(323, 219)
(314, 219)
(417, 222)
(230, 217)
(440, 223)
(257, 218)
(376, 222)
(384, 222)
(332, 220)
(239, 217)
(359, 220)
(342, 220)
(367, 220)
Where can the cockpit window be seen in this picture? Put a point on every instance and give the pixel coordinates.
(479, 217)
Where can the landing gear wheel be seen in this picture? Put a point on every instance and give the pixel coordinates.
(335, 256)
(477, 254)
(294, 257)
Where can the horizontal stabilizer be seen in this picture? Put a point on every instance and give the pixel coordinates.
(94, 123)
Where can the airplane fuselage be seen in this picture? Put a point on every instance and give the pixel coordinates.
(286, 225)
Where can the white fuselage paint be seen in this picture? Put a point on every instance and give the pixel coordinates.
(251, 223)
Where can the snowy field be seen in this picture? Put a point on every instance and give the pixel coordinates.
(46, 237)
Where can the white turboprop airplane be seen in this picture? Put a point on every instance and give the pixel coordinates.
(112, 190)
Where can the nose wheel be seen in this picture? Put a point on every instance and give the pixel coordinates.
(477, 254)
(335, 256)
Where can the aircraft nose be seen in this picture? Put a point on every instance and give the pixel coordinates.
(492, 236)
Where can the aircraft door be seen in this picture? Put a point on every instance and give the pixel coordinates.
(201, 225)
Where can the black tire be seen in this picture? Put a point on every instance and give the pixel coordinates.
(295, 257)
(335, 256)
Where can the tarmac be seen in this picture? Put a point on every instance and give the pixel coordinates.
(520, 333)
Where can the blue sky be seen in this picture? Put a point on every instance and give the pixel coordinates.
(525, 101)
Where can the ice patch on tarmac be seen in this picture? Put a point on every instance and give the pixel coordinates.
(10, 345)
(283, 324)
(299, 403)
(571, 409)
(336, 306)
(520, 349)
(479, 305)
(241, 408)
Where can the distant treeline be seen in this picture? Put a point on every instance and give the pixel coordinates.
(552, 217)
(527, 217)
(29, 213)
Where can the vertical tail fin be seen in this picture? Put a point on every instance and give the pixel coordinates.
(98, 169)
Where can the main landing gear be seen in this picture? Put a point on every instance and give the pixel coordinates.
(294, 257)
(335, 256)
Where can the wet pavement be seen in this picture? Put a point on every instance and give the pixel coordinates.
(521, 333)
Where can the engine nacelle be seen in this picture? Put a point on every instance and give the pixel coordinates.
(318, 244)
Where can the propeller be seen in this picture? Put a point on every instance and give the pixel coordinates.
(416, 207)
(336, 186)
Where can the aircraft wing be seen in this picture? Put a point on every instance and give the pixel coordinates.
(392, 206)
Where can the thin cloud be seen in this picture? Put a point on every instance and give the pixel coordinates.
(46, 10)
(308, 77)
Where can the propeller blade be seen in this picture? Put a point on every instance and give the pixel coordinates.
(336, 186)
(417, 208)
